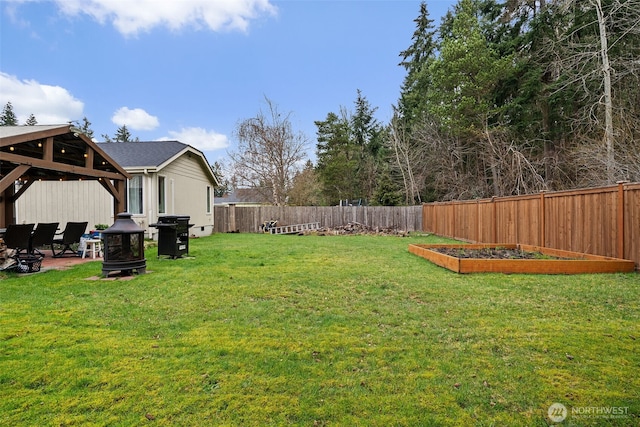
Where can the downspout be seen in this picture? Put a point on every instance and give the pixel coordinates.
(150, 193)
(173, 197)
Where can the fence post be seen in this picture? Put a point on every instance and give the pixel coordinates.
(454, 228)
(543, 225)
(621, 218)
(232, 217)
(477, 222)
(495, 220)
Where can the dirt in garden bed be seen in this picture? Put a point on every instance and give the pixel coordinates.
(493, 253)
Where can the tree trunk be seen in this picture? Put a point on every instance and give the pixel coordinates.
(608, 107)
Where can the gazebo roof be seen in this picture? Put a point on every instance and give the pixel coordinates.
(72, 155)
(53, 152)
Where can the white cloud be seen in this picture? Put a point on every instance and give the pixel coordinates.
(136, 119)
(199, 138)
(132, 17)
(49, 104)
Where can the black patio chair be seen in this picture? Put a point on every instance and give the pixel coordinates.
(71, 235)
(17, 237)
(42, 236)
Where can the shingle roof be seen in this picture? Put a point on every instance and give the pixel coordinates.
(142, 154)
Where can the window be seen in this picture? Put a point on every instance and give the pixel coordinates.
(162, 204)
(208, 199)
(134, 194)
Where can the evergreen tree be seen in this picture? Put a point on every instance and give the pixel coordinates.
(465, 78)
(306, 189)
(8, 117)
(350, 150)
(31, 121)
(85, 127)
(123, 134)
(337, 158)
(416, 60)
(387, 192)
(367, 135)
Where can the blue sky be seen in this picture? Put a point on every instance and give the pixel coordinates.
(191, 70)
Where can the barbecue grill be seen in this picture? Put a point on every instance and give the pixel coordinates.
(173, 235)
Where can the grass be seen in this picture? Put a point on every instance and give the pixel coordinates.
(336, 331)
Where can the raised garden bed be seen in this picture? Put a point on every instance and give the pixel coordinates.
(511, 258)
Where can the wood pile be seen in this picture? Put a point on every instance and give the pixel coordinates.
(7, 256)
(354, 228)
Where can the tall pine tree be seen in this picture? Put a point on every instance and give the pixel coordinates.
(8, 117)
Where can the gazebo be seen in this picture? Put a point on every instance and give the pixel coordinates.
(53, 153)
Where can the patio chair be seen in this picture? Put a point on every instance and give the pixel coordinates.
(17, 237)
(42, 236)
(71, 235)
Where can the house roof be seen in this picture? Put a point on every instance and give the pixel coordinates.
(152, 155)
(143, 154)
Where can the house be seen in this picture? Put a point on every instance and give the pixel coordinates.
(167, 178)
(164, 178)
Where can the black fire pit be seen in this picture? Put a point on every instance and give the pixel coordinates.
(124, 247)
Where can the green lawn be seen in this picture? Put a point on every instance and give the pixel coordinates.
(335, 330)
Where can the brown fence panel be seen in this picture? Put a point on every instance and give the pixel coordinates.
(584, 221)
(601, 221)
(486, 222)
(516, 220)
(247, 219)
(506, 217)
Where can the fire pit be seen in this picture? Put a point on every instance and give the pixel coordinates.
(124, 247)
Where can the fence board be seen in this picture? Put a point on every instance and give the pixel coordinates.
(601, 221)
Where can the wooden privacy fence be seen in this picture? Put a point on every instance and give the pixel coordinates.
(247, 219)
(601, 221)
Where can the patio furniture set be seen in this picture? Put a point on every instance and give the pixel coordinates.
(23, 243)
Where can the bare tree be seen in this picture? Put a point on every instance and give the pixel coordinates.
(405, 159)
(269, 153)
(597, 59)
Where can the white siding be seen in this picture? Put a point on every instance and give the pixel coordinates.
(187, 193)
(64, 201)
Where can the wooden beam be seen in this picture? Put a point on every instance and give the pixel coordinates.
(10, 178)
(111, 189)
(61, 167)
(35, 135)
(120, 203)
(23, 188)
(88, 160)
(47, 149)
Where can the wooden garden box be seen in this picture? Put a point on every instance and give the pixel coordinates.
(567, 262)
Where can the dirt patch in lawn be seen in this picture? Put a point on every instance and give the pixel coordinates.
(494, 253)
